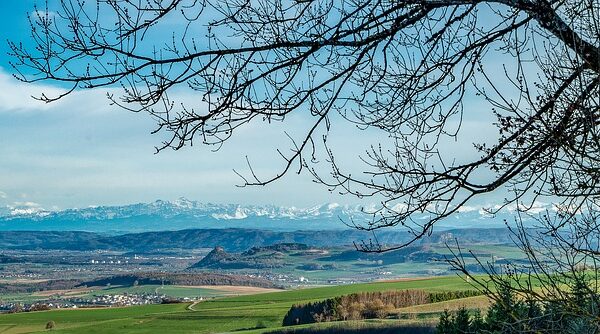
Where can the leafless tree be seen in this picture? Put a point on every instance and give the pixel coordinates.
(405, 68)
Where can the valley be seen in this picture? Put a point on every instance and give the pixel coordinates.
(49, 269)
(231, 278)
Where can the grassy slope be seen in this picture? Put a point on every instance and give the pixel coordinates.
(227, 314)
(435, 309)
(388, 326)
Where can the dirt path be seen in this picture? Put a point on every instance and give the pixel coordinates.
(191, 306)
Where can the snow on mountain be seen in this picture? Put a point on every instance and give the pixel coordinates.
(24, 209)
(240, 213)
(184, 213)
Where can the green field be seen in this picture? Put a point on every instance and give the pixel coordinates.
(241, 314)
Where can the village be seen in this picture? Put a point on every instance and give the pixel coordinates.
(105, 300)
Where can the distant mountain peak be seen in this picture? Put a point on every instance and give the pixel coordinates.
(184, 213)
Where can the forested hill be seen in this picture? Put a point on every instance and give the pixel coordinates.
(231, 239)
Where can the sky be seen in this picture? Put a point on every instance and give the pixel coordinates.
(80, 151)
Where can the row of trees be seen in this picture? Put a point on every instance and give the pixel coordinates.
(366, 305)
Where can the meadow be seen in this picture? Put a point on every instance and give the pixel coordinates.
(257, 313)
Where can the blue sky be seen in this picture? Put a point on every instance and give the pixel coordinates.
(80, 151)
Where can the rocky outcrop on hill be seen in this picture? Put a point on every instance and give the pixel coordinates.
(255, 258)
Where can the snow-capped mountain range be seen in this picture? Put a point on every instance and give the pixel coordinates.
(185, 214)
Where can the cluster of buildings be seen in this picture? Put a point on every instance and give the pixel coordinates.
(109, 261)
(111, 300)
(19, 276)
(126, 299)
(276, 277)
(13, 307)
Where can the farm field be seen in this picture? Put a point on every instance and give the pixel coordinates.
(245, 314)
(167, 290)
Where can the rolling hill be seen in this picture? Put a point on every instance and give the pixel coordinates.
(235, 240)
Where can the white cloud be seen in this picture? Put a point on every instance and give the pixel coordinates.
(3, 195)
(27, 204)
(17, 95)
(42, 15)
(76, 149)
(468, 208)
(25, 208)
